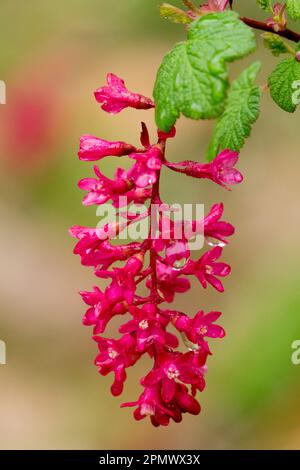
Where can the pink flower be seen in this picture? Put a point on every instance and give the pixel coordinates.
(131, 183)
(102, 189)
(200, 326)
(207, 270)
(151, 404)
(176, 251)
(89, 242)
(216, 229)
(123, 280)
(221, 170)
(149, 328)
(173, 366)
(100, 311)
(115, 356)
(215, 5)
(172, 241)
(184, 401)
(115, 97)
(109, 254)
(169, 282)
(105, 305)
(92, 148)
(144, 172)
(96, 251)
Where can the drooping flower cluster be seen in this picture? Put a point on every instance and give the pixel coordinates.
(161, 264)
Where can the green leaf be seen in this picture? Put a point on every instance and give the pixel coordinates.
(283, 84)
(275, 43)
(265, 4)
(242, 110)
(193, 77)
(176, 15)
(293, 9)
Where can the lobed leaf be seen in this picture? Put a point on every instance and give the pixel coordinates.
(242, 110)
(283, 84)
(193, 77)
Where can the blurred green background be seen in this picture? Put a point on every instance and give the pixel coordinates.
(54, 54)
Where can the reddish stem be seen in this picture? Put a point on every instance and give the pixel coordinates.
(153, 256)
(155, 199)
(144, 275)
(287, 33)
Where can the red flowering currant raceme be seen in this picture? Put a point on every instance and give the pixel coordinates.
(162, 264)
(193, 81)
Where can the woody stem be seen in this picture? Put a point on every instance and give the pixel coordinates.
(261, 26)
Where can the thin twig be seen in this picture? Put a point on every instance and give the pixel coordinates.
(287, 33)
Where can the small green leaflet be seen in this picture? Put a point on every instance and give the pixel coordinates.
(293, 9)
(265, 4)
(193, 77)
(284, 83)
(275, 43)
(174, 14)
(242, 110)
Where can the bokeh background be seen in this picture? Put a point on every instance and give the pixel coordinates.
(53, 55)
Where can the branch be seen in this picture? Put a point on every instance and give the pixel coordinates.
(287, 33)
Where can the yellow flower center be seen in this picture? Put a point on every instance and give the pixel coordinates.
(143, 324)
(208, 269)
(172, 372)
(202, 330)
(112, 353)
